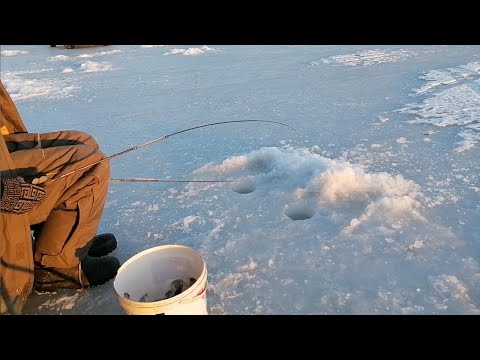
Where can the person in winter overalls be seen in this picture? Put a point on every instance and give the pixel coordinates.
(64, 215)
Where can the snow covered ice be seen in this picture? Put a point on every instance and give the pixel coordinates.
(373, 209)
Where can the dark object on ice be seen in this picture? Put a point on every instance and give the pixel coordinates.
(74, 46)
(66, 46)
(126, 296)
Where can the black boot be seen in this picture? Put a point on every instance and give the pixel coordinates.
(102, 244)
(98, 270)
(90, 272)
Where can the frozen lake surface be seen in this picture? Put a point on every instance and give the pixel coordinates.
(373, 209)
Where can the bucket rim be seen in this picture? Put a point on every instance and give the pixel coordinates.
(154, 249)
(166, 302)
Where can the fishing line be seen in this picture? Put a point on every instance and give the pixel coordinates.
(163, 137)
(169, 180)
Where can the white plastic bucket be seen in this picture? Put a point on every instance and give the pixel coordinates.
(152, 271)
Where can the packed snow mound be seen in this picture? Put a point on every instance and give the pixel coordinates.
(191, 51)
(312, 181)
(453, 99)
(21, 87)
(14, 52)
(372, 57)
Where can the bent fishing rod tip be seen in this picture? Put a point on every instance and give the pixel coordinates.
(169, 180)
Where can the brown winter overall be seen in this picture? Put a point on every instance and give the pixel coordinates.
(70, 213)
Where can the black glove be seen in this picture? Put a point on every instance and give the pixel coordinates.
(18, 196)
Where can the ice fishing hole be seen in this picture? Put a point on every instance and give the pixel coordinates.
(299, 212)
(245, 186)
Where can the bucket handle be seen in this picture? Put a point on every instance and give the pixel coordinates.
(200, 293)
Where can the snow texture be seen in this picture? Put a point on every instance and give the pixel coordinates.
(371, 208)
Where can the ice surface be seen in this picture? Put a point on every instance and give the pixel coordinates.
(373, 209)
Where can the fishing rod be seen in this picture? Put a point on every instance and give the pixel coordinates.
(163, 137)
(169, 180)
